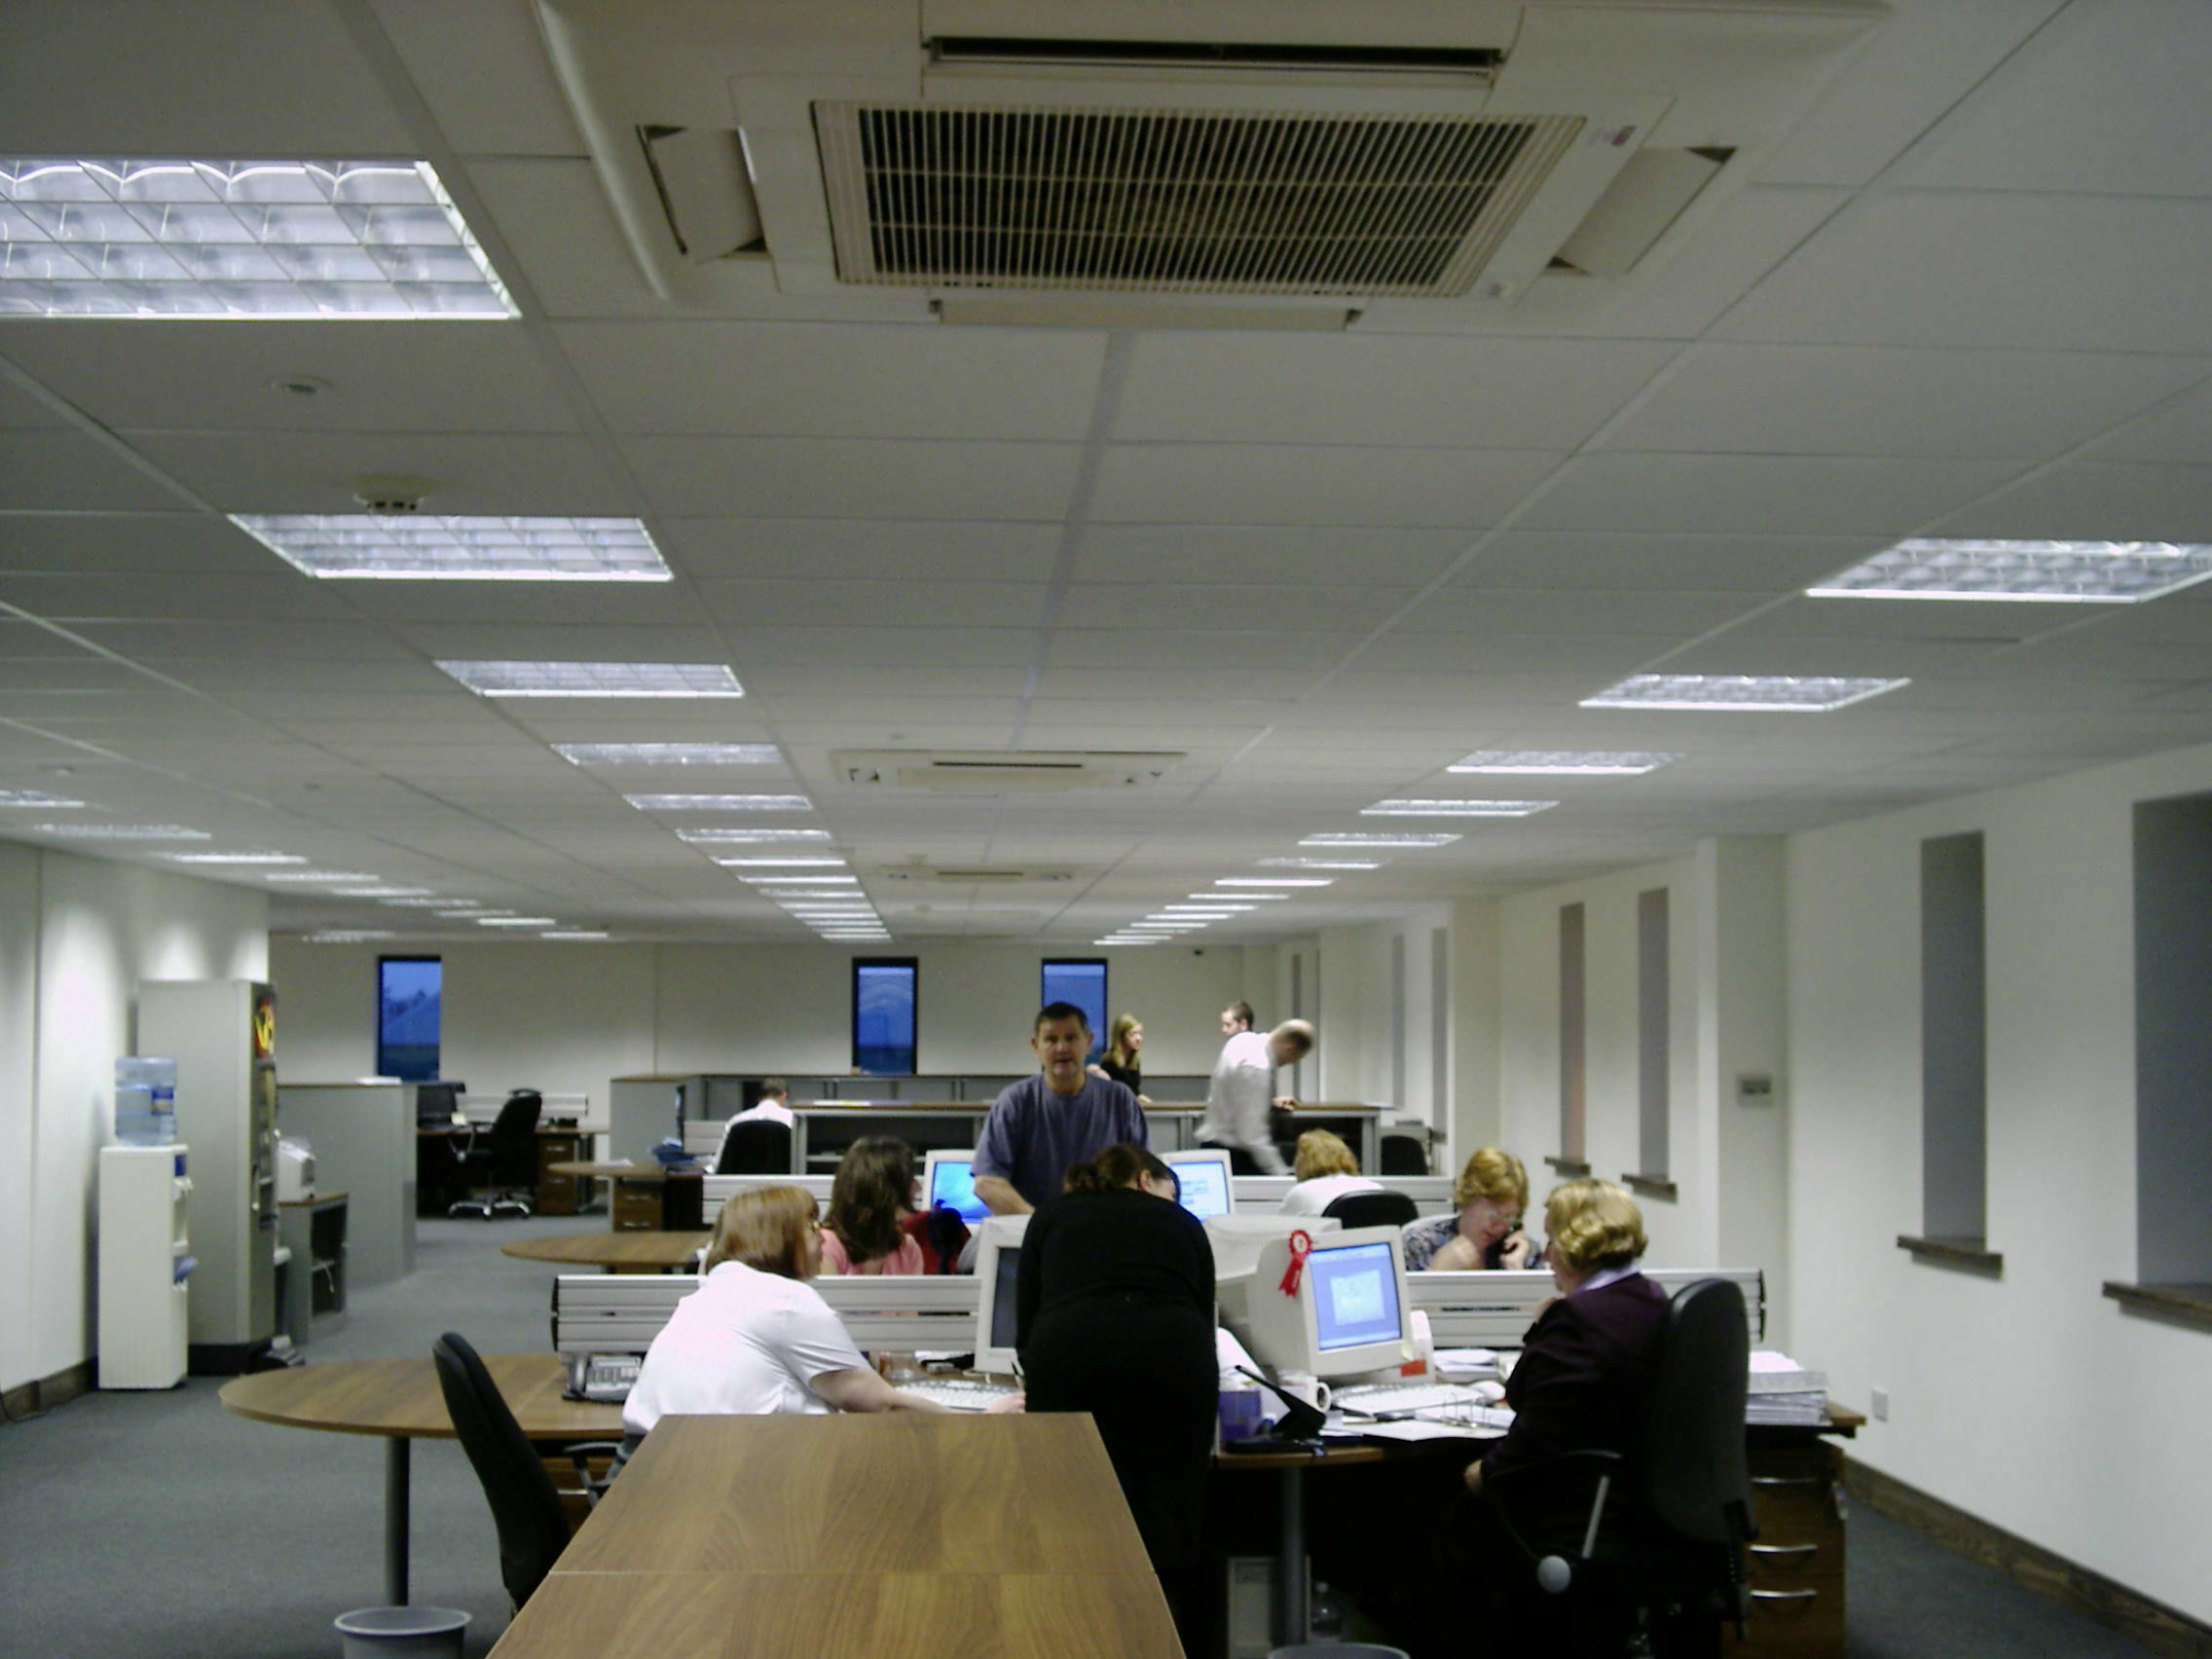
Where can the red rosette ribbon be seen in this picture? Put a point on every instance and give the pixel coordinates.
(1301, 1242)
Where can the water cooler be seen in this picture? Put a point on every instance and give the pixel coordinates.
(222, 1034)
(145, 1259)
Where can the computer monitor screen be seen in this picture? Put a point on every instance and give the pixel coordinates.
(437, 1104)
(1356, 1296)
(998, 1266)
(948, 1180)
(1007, 1272)
(1203, 1177)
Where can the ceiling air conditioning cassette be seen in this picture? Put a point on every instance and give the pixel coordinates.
(1288, 155)
(999, 771)
(974, 875)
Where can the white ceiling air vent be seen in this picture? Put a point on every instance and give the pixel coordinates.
(974, 875)
(999, 771)
(1303, 159)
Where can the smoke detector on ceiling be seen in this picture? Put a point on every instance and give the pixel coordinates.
(998, 771)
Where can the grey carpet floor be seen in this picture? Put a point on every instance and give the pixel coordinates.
(156, 1526)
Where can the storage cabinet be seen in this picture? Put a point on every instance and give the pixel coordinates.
(144, 1263)
(559, 1195)
(1796, 1562)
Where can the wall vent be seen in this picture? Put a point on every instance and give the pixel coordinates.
(1001, 771)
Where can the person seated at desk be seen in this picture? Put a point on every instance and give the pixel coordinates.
(1485, 1229)
(754, 1338)
(1326, 1171)
(773, 1107)
(1122, 1061)
(1042, 1125)
(1114, 1317)
(869, 1201)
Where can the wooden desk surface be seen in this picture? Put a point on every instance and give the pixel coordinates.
(899, 1493)
(623, 1172)
(609, 1249)
(401, 1397)
(841, 1615)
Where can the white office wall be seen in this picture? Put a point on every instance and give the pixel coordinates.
(90, 930)
(1360, 1019)
(2029, 1400)
(568, 1018)
(1684, 1231)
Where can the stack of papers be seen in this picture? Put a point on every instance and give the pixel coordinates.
(1466, 1365)
(1783, 1391)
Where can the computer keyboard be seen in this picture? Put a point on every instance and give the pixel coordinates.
(604, 1376)
(956, 1394)
(1406, 1399)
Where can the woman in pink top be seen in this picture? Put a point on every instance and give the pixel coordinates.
(871, 1198)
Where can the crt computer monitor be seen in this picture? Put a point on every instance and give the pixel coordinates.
(948, 1178)
(437, 1104)
(1348, 1316)
(998, 1262)
(1202, 1174)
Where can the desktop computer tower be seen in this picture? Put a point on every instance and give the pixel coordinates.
(222, 1034)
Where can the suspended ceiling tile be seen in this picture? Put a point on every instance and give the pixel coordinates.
(2180, 434)
(163, 641)
(1750, 494)
(756, 604)
(530, 640)
(1493, 613)
(1622, 560)
(89, 542)
(318, 472)
(833, 549)
(1298, 611)
(881, 646)
(284, 596)
(854, 478)
(2095, 501)
(1128, 645)
(554, 218)
(483, 68)
(66, 471)
(1285, 484)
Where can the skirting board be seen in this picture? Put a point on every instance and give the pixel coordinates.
(2158, 1627)
(28, 1399)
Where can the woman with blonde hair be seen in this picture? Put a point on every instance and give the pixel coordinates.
(1326, 1169)
(754, 1338)
(1122, 1061)
(1484, 1230)
(871, 1198)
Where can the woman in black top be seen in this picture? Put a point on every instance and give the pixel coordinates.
(1114, 1300)
(1122, 1061)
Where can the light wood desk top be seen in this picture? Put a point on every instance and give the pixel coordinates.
(624, 1171)
(895, 1492)
(401, 1398)
(609, 1249)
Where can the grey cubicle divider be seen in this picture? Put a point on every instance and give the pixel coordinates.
(1495, 1309)
(1431, 1194)
(622, 1312)
(363, 1138)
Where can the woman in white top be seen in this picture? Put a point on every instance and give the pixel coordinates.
(1326, 1170)
(754, 1338)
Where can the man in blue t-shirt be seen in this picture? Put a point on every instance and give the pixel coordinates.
(1045, 1123)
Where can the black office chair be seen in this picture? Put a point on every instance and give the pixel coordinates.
(526, 1505)
(1373, 1210)
(501, 1162)
(1670, 1561)
(762, 1147)
(1404, 1155)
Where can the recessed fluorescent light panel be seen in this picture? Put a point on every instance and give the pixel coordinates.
(1564, 764)
(370, 546)
(516, 922)
(808, 881)
(1456, 808)
(1319, 864)
(237, 858)
(348, 936)
(1276, 881)
(512, 679)
(1376, 838)
(261, 240)
(720, 803)
(1223, 905)
(32, 798)
(1774, 693)
(575, 932)
(670, 754)
(2049, 573)
(318, 877)
(748, 837)
(429, 903)
(117, 832)
(381, 893)
(825, 862)
(1118, 939)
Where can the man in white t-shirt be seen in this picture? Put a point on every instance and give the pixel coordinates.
(1243, 1093)
(773, 1107)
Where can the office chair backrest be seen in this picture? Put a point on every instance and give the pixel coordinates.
(525, 1509)
(758, 1148)
(1403, 1155)
(1691, 1463)
(1373, 1210)
(518, 1116)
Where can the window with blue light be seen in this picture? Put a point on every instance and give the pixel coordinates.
(407, 995)
(883, 1016)
(1082, 982)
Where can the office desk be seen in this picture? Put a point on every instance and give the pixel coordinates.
(898, 1537)
(647, 1197)
(616, 1252)
(401, 1400)
(438, 1179)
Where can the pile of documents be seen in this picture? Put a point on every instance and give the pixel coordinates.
(1466, 1365)
(1783, 1391)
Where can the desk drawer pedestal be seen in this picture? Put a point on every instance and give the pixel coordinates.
(558, 1195)
(1796, 1562)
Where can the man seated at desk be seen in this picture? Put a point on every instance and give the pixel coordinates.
(1044, 1124)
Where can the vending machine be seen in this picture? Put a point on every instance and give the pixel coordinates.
(222, 1034)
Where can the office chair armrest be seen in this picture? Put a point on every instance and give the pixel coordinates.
(1608, 1462)
(579, 1455)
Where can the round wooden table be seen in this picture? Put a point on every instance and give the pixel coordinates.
(616, 1252)
(400, 1399)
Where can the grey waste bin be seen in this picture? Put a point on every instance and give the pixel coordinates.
(401, 1632)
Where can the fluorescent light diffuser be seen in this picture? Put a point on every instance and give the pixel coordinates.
(1562, 763)
(1319, 864)
(381, 893)
(262, 240)
(235, 857)
(318, 877)
(32, 798)
(1130, 943)
(825, 862)
(668, 754)
(381, 547)
(1456, 808)
(720, 803)
(430, 904)
(1376, 838)
(516, 922)
(1241, 905)
(748, 838)
(514, 678)
(462, 915)
(1776, 693)
(1277, 881)
(2049, 572)
(117, 832)
(348, 936)
(800, 880)
(575, 932)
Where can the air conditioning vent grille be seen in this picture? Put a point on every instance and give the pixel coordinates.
(1177, 200)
